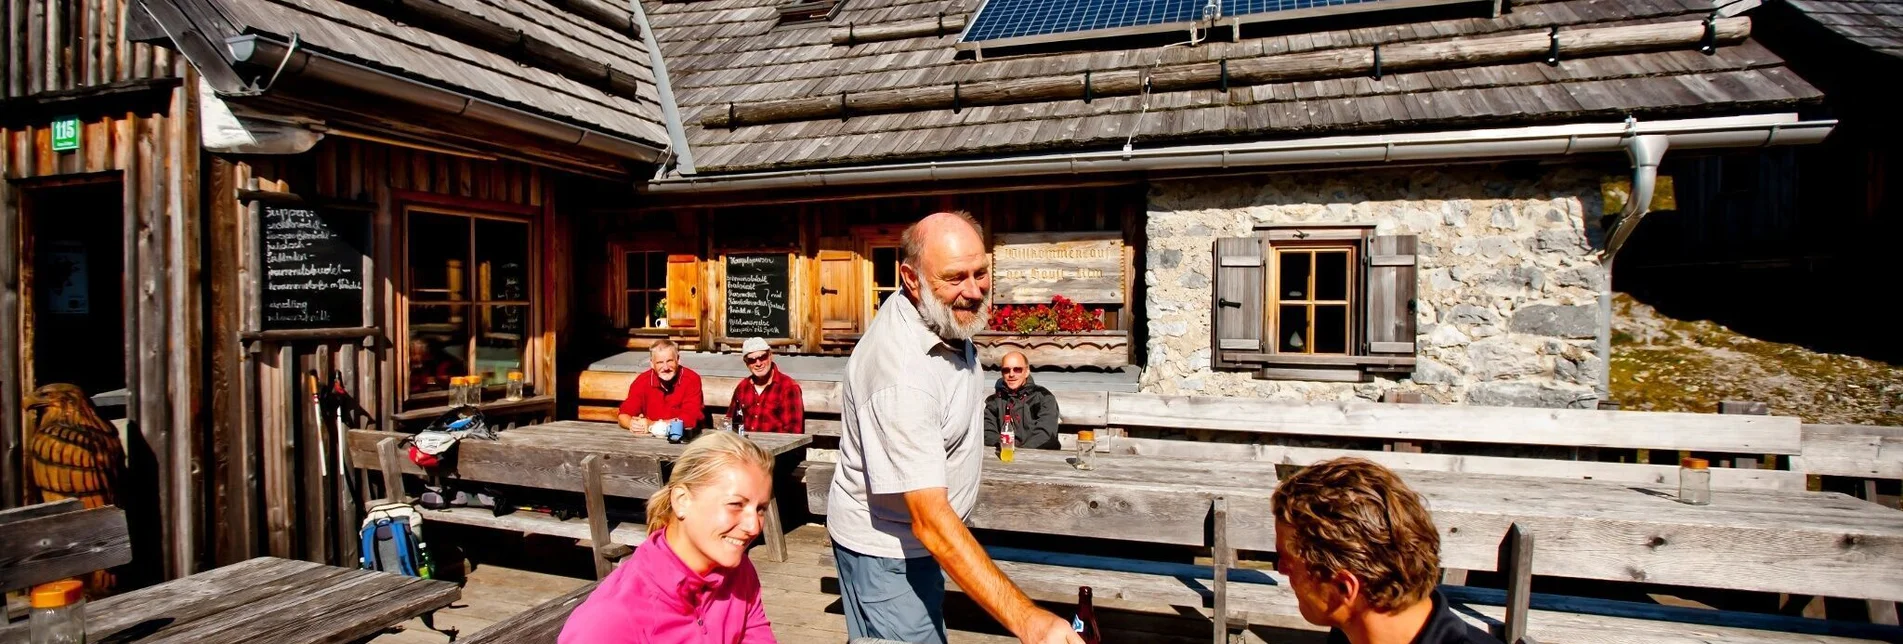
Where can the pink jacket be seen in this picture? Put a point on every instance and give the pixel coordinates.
(653, 598)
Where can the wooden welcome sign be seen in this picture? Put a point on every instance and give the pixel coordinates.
(1029, 268)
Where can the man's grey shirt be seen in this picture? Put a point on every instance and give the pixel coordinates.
(913, 420)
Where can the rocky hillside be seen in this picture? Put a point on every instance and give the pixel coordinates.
(1663, 364)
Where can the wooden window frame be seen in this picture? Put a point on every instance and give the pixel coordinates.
(864, 240)
(1359, 363)
(618, 253)
(1272, 329)
(532, 342)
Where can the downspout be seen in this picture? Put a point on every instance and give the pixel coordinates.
(670, 111)
(1645, 152)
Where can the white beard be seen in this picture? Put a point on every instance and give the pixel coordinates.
(942, 320)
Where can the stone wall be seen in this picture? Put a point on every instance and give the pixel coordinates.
(1508, 287)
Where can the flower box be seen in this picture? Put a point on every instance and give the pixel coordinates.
(1079, 349)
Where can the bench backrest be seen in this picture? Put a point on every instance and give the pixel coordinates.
(1857, 451)
(552, 466)
(54, 541)
(538, 625)
(600, 391)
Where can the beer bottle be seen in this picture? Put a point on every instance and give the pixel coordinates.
(1085, 623)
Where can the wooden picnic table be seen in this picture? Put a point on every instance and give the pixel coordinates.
(1811, 543)
(266, 599)
(559, 456)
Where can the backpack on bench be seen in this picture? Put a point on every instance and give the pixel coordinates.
(392, 541)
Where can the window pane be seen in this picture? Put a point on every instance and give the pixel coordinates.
(643, 310)
(1331, 328)
(1291, 330)
(439, 255)
(502, 260)
(885, 267)
(500, 347)
(1293, 275)
(657, 272)
(636, 270)
(1331, 277)
(439, 341)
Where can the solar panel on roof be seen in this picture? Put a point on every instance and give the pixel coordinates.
(1002, 23)
(1014, 19)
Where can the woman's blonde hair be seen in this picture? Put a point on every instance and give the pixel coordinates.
(699, 463)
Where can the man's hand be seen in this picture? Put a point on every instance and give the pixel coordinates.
(1044, 627)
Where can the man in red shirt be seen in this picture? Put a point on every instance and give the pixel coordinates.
(668, 391)
(768, 401)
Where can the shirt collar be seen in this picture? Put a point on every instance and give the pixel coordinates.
(683, 589)
(922, 335)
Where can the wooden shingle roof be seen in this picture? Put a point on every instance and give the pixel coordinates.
(628, 107)
(725, 54)
(1874, 24)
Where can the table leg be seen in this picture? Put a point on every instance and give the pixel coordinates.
(1220, 556)
(597, 514)
(1516, 564)
(1882, 612)
(774, 533)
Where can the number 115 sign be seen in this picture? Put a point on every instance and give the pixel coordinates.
(66, 134)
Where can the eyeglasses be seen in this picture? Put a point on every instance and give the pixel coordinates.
(756, 359)
(1015, 369)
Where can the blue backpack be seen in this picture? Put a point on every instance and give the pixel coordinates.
(392, 541)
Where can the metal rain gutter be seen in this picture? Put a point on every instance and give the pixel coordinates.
(268, 53)
(670, 112)
(1538, 141)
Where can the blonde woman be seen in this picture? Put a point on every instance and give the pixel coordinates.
(691, 581)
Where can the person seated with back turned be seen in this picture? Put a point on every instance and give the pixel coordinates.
(767, 400)
(667, 391)
(1363, 557)
(1028, 408)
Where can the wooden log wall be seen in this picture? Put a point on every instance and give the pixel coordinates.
(274, 487)
(137, 134)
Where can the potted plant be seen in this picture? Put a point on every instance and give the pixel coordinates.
(1061, 332)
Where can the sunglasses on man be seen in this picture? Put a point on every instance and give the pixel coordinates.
(757, 359)
(1016, 369)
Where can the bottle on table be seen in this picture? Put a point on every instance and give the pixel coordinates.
(514, 389)
(1694, 481)
(1086, 449)
(1085, 623)
(59, 613)
(740, 420)
(473, 390)
(1007, 445)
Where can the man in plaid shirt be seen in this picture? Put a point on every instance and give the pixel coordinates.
(768, 401)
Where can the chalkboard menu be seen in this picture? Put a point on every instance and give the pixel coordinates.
(756, 296)
(313, 266)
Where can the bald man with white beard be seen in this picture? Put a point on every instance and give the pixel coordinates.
(912, 448)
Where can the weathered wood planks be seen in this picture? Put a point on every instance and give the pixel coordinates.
(53, 541)
(1858, 451)
(1465, 423)
(1082, 408)
(1795, 542)
(263, 599)
(538, 625)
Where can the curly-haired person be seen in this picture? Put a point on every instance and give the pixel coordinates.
(1363, 557)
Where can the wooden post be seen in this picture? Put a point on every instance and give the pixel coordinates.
(1220, 556)
(392, 475)
(775, 534)
(1516, 565)
(597, 514)
(12, 466)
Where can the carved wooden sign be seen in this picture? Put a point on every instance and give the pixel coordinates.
(1029, 268)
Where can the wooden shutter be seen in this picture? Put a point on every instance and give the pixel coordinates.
(838, 295)
(683, 291)
(1390, 296)
(1236, 314)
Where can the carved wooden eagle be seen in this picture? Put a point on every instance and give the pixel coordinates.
(75, 454)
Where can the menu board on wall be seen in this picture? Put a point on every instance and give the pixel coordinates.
(756, 296)
(313, 261)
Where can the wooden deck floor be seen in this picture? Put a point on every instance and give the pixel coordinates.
(802, 599)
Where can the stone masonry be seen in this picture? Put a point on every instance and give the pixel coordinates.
(1508, 292)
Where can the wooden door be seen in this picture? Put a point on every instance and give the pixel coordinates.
(838, 292)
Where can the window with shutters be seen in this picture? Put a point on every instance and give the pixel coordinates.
(1314, 302)
(655, 289)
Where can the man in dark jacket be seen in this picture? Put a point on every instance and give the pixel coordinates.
(1029, 409)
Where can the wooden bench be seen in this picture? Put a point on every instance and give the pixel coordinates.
(1861, 452)
(54, 541)
(538, 625)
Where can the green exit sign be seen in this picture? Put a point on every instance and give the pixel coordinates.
(66, 134)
